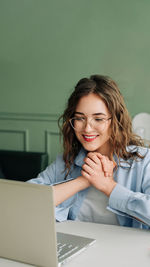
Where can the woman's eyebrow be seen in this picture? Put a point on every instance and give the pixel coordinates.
(80, 113)
(95, 114)
(100, 113)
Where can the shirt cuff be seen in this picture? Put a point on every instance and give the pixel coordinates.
(62, 182)
(119, 197)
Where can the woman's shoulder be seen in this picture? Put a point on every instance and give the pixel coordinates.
(59, 162)
(141, 150)
(142, 158)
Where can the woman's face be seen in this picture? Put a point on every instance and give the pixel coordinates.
(93, 122)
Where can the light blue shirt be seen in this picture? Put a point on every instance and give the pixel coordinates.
(130, 199)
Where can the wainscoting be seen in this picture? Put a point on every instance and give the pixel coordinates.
(30, 132)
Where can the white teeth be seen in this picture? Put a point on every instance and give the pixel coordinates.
(89, 137)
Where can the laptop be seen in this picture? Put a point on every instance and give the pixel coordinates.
(27, 226)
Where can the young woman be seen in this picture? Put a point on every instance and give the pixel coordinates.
(103, 175)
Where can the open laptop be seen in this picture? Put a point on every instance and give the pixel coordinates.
(27, 226)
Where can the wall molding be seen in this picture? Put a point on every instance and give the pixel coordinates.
(30, 132)
(29, 116)
(24, 133)
(52, 144)
(48, 136)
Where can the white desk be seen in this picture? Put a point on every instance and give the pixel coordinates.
(115, 246)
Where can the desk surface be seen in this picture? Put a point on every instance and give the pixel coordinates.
(115, 246)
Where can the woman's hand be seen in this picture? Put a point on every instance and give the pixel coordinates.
(98, 170)
(107, 165)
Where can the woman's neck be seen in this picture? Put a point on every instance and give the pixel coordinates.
(106, 150)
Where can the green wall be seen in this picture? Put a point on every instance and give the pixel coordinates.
(46, 46)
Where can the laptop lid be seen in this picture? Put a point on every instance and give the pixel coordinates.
(27, 223)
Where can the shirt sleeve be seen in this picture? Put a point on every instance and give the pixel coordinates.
(47, 177)
(133, 204)
(54, 174)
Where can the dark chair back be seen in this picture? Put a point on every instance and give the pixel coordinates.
(20, 165)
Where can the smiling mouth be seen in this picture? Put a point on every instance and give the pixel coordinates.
(89, 138)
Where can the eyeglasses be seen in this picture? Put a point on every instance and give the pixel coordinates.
(79, 123)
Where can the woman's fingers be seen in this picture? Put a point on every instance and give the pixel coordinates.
(92, 164)
(86, 168)
(93, 157)
(96, 162)
(107, 164)
(85, 174)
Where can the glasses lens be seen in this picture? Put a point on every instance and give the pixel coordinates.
(98, 123)
(77, 123)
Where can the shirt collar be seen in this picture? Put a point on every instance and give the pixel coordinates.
(126, 163)
(79, 160)
(123, 163)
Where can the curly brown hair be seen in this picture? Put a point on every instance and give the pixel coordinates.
(121, 124)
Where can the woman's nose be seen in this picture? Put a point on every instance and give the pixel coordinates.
(88, 126)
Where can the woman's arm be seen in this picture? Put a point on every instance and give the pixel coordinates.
(122, 200)
(133, 204)
(67, 189)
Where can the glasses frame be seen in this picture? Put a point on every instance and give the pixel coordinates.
(70, 120)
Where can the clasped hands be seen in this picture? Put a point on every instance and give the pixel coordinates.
(98, 170)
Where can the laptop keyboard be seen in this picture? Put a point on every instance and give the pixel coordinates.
(65, 250)
(69, 245)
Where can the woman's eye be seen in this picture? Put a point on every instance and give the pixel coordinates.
(99, 119)
(79, 118)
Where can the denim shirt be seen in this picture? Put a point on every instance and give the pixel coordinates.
(129, 200)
